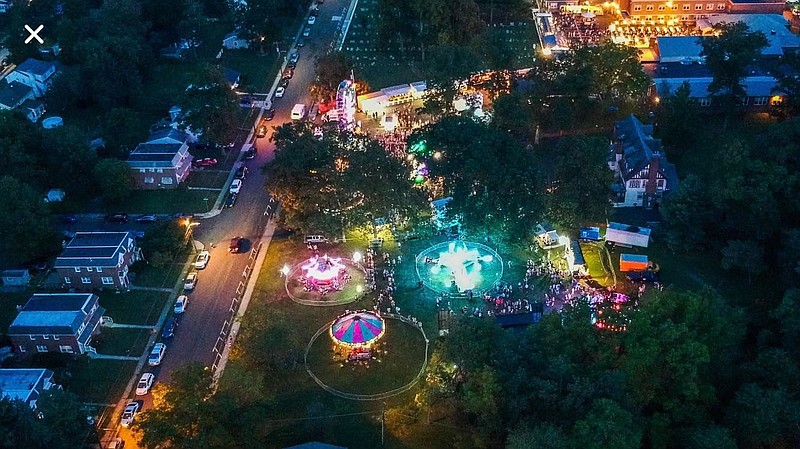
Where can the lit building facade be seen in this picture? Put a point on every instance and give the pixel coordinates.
(691, 10)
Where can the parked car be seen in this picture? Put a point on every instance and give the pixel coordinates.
(117, 218)
(312, 19)
(169, 328)
(319, 2)
(157, 354)
(136, 234)
(269, 114)
(68, 219)
(131, 409)
(301, 42)
(145, 382)
(241, 172)
(284, 83)
(288, 73)
(231, 200)
(251, 153)
(190, 282)
(245, 101)
(147, 219)
(291, 65)
(280, 91)
(236, 244)
(262, 131)
(236, 186)
(205, 162)
(116, 443)
(180, 304)
(202, 260)
(306, 32)
(315, 11)
(294, 57)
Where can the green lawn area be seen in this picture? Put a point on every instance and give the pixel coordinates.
(120, 341)
(135, 307)
(148, 276)
(210, 179)
(257, 70)
(170, 201)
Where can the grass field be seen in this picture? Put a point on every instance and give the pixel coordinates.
(170, 201)
(135, 307)
(120, 341)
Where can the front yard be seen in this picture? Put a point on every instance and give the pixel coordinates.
(135, 307)
(121, 341)
(165, 201)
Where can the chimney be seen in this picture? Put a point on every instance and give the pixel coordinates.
(653, 174)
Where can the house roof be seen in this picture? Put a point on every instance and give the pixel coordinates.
(19, 383)
(638, 144)
(93, 249)
(15, 273)
(13, 94)
(149, 155)
(774, 27)
(167, 135)
(53, 313)
(667, 77)
(35, 66)
(679, 48)
(231, 76)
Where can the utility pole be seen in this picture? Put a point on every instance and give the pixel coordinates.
(383, 425)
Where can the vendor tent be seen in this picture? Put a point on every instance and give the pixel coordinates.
(632, 262)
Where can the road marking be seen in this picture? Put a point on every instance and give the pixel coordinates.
(239, 288)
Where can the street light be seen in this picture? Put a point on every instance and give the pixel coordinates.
(357, 257)
(285, 271)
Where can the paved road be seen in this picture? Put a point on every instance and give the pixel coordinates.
(197, 338)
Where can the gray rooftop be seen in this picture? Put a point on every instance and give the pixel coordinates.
(35, 66)
(19, 383)
(93, 249)
(53, 313)
(679, 48)
(168, 135)
(774, 27)
(12, 94)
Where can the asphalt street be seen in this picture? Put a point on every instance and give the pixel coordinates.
(198, 337)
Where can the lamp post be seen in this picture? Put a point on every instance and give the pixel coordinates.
(357, 257)
(285, 270)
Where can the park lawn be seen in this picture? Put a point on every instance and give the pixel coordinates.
(149, 276)
(214, 179)
(135, 307)
(121, 341)
(167, 201)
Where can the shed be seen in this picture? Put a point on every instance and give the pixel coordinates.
(632, 262)
(577, 263)
(16, 277)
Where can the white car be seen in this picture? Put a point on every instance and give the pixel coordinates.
(190, 282)
(236, 186)
(279, 92)
(130, 411)
(180, 304)
(306, 32)
(157, 354)
(311, 20)
(202, 260)
(143, 387)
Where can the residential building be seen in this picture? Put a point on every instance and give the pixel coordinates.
(56, 322)
(163, 161)
(232, 77)
(5, 5)
(232, 41)
(643, 174)
(36, 74)
(26, 384)
(93, 260)
(13, 94)
(693, 10)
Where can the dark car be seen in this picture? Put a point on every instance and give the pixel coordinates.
(236, 244)
(169, 328)
(251, 153)
(646, 277)
(241, 172)
(117, 218)
(284, 83)
(147, 219)
(301, 42)
(269, 114)
(231, 201)
(292, 64)
(69, 219)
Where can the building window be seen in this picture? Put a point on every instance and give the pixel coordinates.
(166, 180)
(698, 7)
(89, 269)
(660, 183)
(67, 280)
(661, 7)
(760, 101)
(22, 348)
(704, 101)
(86, 280)
(745, 101)
(33, 338)
(66, 349)
(149, 180)
(687, 7)
(77, 269)
(160, 170)
(46, 337)
(152, 170)
(55, 337)
(633, 183)
(674, 7)
(107, 280)
(710, 6)
(637, 7)
(720, 6)
(141, 170)
(649, 8)
(41, 348)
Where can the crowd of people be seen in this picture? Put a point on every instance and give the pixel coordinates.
(394, 142)
(640, 35)
(579, 30)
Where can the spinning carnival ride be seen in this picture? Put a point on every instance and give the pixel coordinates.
(346, 105)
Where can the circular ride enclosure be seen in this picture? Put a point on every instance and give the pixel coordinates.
(400, 359)
(455, 267)
(349, 292)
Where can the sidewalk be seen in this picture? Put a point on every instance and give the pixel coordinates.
(113, 357)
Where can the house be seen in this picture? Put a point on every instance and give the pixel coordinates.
(232, 41)
(376, 102)
(231, 76)
(16, 278)
(14, 94)
(56, 322)
(163, 161)
(693, 10)
(643, 174)
(5, 5)
(26, 384)
(97, 260)
(36, 74)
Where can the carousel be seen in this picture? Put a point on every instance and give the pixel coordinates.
(324, 274)
(355, 333)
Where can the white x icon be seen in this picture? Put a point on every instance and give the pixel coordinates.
(34, 34)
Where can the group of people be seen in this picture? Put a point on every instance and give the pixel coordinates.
(394, 142)
(641, 35)
(502, 301)
(580, 31)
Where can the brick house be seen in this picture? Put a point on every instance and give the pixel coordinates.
(97, 260)
(36, 74)
(26, 384)
(56, 322)
(163, 161)
(642, 173)
(692, 10)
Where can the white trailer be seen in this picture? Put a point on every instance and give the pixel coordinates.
(627, 235)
